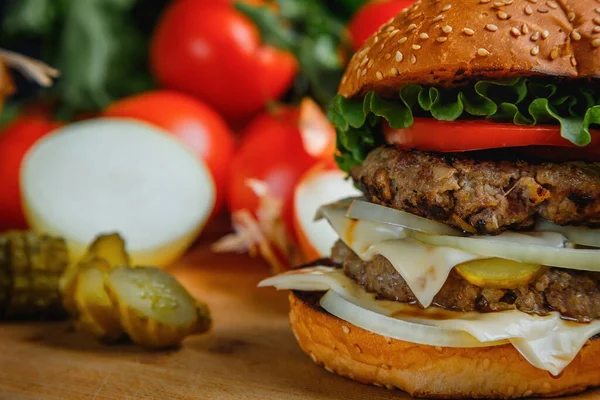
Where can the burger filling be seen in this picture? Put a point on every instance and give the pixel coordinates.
(575, 294)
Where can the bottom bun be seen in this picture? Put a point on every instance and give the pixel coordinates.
(428, 371)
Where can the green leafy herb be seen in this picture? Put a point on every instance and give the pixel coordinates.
(315, 36)
(522, 101)
(97, 45)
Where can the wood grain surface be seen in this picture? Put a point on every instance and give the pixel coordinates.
(249, 354)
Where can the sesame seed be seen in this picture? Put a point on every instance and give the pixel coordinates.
(575, 35)
(438, 18)
(545, 34)
(469, 31)
(379, 75)
(393, 33)
(394, 71)
(554, 53)
(390, 28)
(596, 42)
(491, 27)
(345, 329)
(483, 52)
(528, 10)
(597, 10)
(527, 393)
(402, 40)
(424, 36)
(328, 369)
(416, 47)
(446, 7)
(573, 61)
(364, 61)
(314, 358)
(376, 39)
(596, 29)
(511, 390)
(363, 72)
(533, 1)
(399, 56)
(447, 29)
(596, 20)
(525, 29)
(535, 51)
(413, 59)
(442, 39)
(535, 36)
(515, 32)
(484, 1)
(502, 15)
(387, 56)
(547, 386)
(370, 63)
(507, 2)
(543, 10)
(439, 349)
(552, 4)
(498, 4)
(411, 27)
(571, 16)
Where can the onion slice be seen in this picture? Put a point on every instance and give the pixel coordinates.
(553, 256)
(364, 210)
(397, 328)
(581, 235)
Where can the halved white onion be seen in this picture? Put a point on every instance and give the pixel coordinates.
(397, 328)
(581, 235)
(364, 210)
(495, 246)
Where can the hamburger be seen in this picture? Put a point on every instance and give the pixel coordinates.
(471, 265)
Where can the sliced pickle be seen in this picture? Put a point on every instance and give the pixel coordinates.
(95, 311)
(498, 273)
(156, 311)
(110, 247)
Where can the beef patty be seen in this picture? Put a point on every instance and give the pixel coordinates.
(575, 294)
(477, 196)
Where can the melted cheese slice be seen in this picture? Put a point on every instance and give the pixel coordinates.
(425, 268)
(547, 342)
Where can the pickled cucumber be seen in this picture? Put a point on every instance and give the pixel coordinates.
(155, 310)
(108, 247)
(95, 310)
(30, 269)
(497, 273)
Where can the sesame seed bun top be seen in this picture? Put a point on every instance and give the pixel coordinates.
(448, 42)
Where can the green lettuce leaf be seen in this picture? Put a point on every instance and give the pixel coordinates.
(521, 101)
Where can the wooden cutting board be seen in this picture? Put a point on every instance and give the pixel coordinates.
(250, 353)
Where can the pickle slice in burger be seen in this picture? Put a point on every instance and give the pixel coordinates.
(473, 128)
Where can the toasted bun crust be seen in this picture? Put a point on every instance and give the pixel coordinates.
(448, 42)
(426, 371)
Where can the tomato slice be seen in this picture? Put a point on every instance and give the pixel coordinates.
(456, 136)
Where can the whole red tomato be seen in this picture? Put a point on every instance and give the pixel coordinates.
(271, 151)
(191, 121)
(15, 140)
(214, 52)
(371, 16)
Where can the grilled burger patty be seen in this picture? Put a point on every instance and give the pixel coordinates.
(575, 294)
(485, 197)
